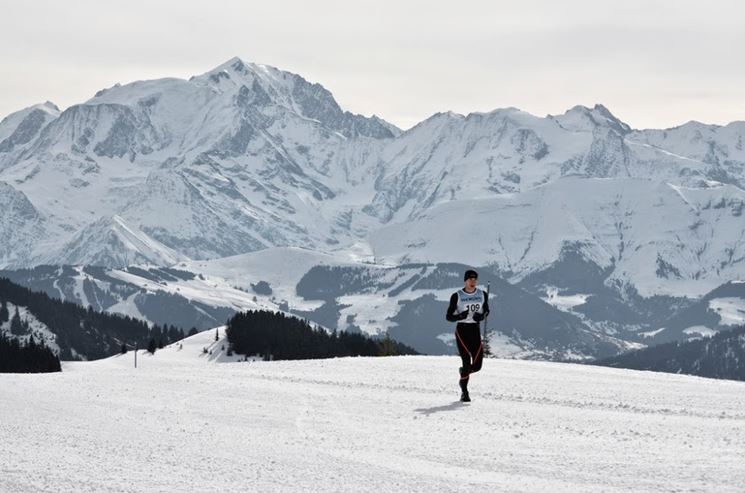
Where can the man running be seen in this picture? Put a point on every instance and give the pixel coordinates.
(468, 307)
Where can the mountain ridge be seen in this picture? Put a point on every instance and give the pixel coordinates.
(246, 156)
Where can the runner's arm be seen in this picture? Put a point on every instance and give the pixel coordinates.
(452, 308)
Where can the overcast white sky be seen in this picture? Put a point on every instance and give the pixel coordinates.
(652, 63)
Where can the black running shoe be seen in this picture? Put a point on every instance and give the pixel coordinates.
(464, 397)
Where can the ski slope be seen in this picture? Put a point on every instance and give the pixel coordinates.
(189, 421)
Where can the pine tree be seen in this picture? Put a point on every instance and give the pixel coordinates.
(217, 334)
(124, 348)
(151, 346)
(16, 327)
(192, 332)
(156, 333)
(387, 347)
(4, 314)
(31, 344)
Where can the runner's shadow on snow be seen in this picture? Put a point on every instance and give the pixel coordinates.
(449, 407)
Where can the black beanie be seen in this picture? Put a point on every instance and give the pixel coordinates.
(470, 273)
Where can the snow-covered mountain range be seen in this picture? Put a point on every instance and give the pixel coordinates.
(247, 157)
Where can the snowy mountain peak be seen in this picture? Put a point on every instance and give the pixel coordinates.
(697, 125)
(436, 121)
(508, 111)
(582, 118)
(22, 127)
(235, 70)
(49, 107)
(235, 63)
(271, 86)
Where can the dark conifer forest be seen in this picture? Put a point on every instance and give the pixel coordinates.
(28, 357)
(81, 332)
(719, 356)
(278, 336)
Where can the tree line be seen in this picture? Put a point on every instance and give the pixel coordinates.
(82, 332)
(719, 356)
(31, 357)
(281, 337)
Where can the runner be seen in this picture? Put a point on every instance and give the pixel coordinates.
(468, 307)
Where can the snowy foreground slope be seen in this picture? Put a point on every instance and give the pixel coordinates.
(184, 422)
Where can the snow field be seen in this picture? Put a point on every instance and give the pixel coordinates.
(180, 422)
